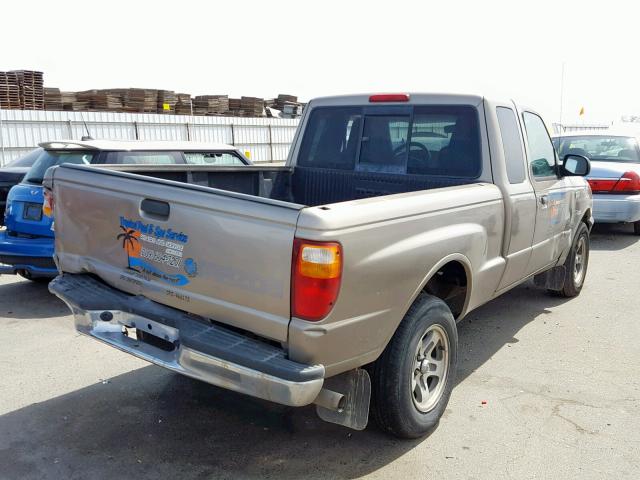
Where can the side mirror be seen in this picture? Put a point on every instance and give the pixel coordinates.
(575, 166)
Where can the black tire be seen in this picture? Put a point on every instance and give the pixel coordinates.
(636, 227)
(393, 406)
(572, 285)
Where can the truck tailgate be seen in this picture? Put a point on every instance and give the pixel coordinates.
(222, 255)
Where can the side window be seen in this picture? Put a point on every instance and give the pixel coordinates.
(143, 158)
(213, 158)
(512, 144)
(541, 151)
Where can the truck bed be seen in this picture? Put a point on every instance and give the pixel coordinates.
(300, 185)
(221, 252)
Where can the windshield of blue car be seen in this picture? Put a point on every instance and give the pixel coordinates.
(26, 160)
(50, 158)
(602, 148)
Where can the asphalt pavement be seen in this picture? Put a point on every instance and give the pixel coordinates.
(547, 388)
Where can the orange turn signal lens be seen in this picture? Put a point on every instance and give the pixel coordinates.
(317, 261)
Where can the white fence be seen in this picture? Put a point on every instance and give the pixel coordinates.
(266, 139)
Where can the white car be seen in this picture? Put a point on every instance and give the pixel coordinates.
(615, 172)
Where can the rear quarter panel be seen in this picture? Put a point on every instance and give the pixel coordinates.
(392, 246)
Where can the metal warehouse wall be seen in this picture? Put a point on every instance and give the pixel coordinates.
(267, 139)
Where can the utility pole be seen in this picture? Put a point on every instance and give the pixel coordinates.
(561, 94)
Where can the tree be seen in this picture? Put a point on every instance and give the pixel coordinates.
(129, 241)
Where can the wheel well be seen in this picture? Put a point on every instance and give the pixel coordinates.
(450, 284)
(586, 218)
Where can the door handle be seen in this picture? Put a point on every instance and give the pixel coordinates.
(155, 209)
(544, 201)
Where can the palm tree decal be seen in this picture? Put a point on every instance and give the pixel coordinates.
(129, 242)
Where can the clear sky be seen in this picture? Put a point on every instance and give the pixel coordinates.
(261, 48)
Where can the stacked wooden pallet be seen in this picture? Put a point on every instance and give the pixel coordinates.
(210, 105)
(288, 105)
(31, 89)
(52, 99)
(9, 91)
(70, 102)
(84, 100)
(251, 107)
(135, 100)
(24, 89)
(98, 100)
(234, 104)
(183, 104)
(284, 99)
(106, 101)
(167, 101)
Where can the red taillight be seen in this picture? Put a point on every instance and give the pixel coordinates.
(629, 184)
(602, 185)
(389, 97)
(315, 279)
(47, 206)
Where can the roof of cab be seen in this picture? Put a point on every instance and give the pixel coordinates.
(135, 145)
(414, 98)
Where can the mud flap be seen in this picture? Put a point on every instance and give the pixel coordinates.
(355, 385)
(552, 279)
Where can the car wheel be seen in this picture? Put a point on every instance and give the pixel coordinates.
(576, 264)
(636, 227)
(413, 378)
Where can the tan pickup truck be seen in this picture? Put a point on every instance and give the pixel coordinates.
(338, 279)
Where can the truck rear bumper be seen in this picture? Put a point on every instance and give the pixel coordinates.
(191, 346)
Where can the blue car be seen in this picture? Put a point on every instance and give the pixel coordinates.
(27, 241)
(12, 174)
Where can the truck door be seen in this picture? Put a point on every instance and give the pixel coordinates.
(552, 208)
(519, 196)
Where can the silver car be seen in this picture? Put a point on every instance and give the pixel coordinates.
(615, 173)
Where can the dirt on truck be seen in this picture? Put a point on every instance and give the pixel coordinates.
(337, 280)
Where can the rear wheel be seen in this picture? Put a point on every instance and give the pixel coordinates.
(413, 378)
(576, 264)
(636, 227)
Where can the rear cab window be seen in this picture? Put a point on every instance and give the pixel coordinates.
(437, 140)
